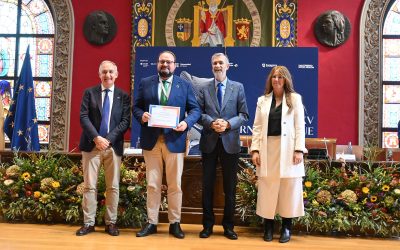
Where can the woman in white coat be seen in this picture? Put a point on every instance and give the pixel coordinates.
(277, 148)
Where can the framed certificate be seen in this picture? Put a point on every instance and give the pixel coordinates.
(164, 116)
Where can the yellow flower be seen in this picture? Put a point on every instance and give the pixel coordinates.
(364, 201)
(397, 191)
(373, 198)
(385, 188)
(304, 194)
(365, 190)
(26, 176)
(37, 194)
(55, 184)
(308, 184)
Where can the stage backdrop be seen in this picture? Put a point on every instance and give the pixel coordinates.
(248, 65)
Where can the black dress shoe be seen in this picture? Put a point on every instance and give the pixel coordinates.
(147, 230)
(112, 230)
(176, 231)
(286, 230)
(268, 229)
(206, 232)
(285, 235)
(85, 229)
(230, 234)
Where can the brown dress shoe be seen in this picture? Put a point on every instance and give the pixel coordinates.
(85, 229)
(112, 230)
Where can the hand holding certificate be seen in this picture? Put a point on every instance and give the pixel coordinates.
(163, 116)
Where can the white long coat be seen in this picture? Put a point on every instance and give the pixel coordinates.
(292, 136)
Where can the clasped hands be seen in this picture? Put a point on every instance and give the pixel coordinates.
(101, 143)
(220, 125)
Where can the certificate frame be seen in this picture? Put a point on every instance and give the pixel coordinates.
(163, 121)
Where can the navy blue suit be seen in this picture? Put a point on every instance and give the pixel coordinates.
(90, 117)
(182, 96)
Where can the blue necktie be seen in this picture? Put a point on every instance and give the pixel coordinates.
(219, 94)
(105, 115)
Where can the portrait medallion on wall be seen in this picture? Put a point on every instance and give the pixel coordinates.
(99, 27)
(332, 28)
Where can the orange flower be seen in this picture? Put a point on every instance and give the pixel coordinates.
(308, 184)
(374, 198)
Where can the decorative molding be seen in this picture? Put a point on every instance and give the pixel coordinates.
(63, 17)
(370, 87)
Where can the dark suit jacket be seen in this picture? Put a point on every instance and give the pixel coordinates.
(181, 95)
(90, 118)
(234, 110)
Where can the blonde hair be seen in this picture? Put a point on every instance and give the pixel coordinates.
(288, 85)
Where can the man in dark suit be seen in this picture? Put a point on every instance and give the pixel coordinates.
(223, 103)
(104, 117)
(164, 146)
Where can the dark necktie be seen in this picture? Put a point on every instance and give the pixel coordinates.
(164, 98)
(219, 94)
(105, 115)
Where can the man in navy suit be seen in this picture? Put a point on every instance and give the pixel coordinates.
(164, 146)
(223, 103)
(104, 118)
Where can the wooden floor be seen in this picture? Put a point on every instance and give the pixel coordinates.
(46, 237)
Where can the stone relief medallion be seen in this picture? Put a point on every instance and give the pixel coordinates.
(332, 28)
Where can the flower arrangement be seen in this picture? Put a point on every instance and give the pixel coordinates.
(358, 199)
(49, 188)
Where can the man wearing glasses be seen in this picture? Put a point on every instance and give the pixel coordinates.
(164, 147)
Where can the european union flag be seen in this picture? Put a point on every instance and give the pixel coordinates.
(21, 122)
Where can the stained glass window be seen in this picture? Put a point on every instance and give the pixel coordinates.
(391, 76)
(23, 23)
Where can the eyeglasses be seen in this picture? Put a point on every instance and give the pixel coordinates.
(165, 61)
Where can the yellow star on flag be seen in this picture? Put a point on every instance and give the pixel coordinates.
(21, 87)
(30, 90)
(20, 132)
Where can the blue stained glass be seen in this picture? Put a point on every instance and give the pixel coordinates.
(391, 115)
(36, 18)
(391, 70)
(45, 65)
(42, 108)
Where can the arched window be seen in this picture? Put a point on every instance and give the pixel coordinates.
(23, 23)
(391, 76)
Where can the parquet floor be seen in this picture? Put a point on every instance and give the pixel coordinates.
(49, 237)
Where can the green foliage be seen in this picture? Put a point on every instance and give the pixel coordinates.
(349, 199)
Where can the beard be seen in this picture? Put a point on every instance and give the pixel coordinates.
(219, 75)
(165, 73)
